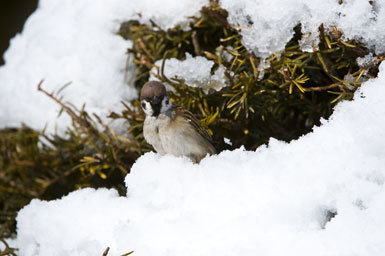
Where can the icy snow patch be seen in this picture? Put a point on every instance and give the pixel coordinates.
(273, 201)
(366, 60)
(196, 72)
(64, 41)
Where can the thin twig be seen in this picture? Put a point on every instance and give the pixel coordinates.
(322, 88)
(81, 121)
(196, 25)
(144, 48)
(106, 251)
(126, 254)
(66, 108)
(195, 41)
(156, 75)
(8, 250)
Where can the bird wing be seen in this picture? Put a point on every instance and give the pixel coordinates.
(195, 123)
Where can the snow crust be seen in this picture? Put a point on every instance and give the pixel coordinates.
(273, 201)
(75, 41)
(196, 72)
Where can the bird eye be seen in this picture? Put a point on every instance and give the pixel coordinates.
(167, 101)
(143, 105)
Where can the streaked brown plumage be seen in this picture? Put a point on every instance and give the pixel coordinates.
(170, 128)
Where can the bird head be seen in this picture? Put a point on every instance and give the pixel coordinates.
(154, 99)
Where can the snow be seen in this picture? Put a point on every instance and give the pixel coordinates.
(266, 26)
(196, 72)
(367, 59)
(76, 41)
(273, 201)
(227, 141)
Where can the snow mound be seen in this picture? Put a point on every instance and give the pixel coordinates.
(277, 200)
(76, 41)
(195, 71)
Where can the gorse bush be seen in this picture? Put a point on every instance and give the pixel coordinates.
(284, 100)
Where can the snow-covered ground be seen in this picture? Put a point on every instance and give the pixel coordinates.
(273, 201)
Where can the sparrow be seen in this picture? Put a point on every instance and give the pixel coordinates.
(170, 128)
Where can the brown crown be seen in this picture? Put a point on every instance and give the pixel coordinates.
(152, 89)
